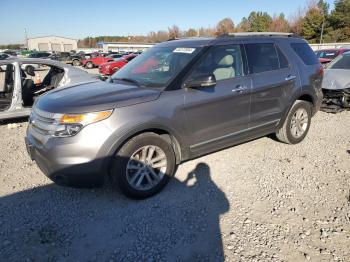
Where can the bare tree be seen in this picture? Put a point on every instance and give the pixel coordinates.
(191, 32)
(174, 32)
(279, 24)
(225, 26)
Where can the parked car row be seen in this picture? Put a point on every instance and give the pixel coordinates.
(109, 68)
(327, 55)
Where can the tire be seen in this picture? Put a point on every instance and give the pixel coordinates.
(115, 69)
(89, 65)
(345, 101)
(76, 62)
(130, 168)
(297, 124)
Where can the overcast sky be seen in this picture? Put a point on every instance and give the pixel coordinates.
(79, 18)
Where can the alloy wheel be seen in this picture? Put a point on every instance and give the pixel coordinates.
(146, 167)
(299, 123)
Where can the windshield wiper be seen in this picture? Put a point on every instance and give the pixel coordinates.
(128, 80)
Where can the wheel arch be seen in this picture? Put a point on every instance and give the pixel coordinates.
(165, 132)
(304, 96)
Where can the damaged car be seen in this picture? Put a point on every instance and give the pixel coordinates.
(336, 84)
(20, 85)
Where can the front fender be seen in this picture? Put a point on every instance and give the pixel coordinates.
(121, 136)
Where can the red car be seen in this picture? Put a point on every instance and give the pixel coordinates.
(113, 66)
(327, 55)
(96, 61)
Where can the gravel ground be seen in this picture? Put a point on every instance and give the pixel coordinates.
(261, 200)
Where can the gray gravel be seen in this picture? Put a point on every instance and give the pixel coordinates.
(262, 200)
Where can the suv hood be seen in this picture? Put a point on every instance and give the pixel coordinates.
(96, 96)
(336, 79)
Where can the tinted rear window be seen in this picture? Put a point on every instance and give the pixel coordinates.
(261, 57)
(305, 53)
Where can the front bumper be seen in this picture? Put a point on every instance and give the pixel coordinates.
(73, 161)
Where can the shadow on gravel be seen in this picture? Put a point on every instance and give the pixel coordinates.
(53, 223)
(13, 121)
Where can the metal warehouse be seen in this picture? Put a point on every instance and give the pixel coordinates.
(123, 46)
(52, 43)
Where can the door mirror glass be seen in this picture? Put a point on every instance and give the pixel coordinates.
(201, 81)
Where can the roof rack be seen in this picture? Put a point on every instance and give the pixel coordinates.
(246, 34)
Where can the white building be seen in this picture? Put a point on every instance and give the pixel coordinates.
(52, 43)
(123, 46)
(316, 47)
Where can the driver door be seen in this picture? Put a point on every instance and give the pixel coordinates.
(218, 115)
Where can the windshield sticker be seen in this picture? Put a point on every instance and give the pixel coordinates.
(184, 50)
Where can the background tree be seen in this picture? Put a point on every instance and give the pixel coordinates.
(279, 24)
(339, 20)
(225, 26)
(244, 25)
(174, 32)
(191, 32)
(296, 21)
(259, 21)
(312, 24)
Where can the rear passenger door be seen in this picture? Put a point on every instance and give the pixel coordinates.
(273, 82)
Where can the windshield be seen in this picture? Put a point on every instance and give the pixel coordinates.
(157, 66)
(341, 62)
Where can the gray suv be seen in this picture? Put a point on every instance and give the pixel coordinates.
(177, 101)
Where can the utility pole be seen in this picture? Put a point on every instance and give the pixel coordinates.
(25, 38)
(322, 29)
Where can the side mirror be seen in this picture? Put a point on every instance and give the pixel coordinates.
(201, 81)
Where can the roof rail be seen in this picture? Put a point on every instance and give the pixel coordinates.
(246, 34)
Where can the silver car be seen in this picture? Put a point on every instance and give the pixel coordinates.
(336, 83)
(22, 80)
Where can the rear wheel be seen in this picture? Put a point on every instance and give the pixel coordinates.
(76, 62)
(144, 165)
(297, 123)
(89, 65)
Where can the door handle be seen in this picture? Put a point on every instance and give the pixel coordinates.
(290, 77)
(239, 89)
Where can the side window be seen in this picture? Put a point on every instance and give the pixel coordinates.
(261, 57)
(282, 59)
(305, 53)
(223, 62)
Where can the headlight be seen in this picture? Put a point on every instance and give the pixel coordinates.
(71, 124)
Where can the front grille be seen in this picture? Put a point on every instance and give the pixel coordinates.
(43, 122)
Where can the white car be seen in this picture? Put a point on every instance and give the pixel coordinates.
(25, 67)
(19, 88)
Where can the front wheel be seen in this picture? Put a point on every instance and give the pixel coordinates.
(297, 123)
(144, 165)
